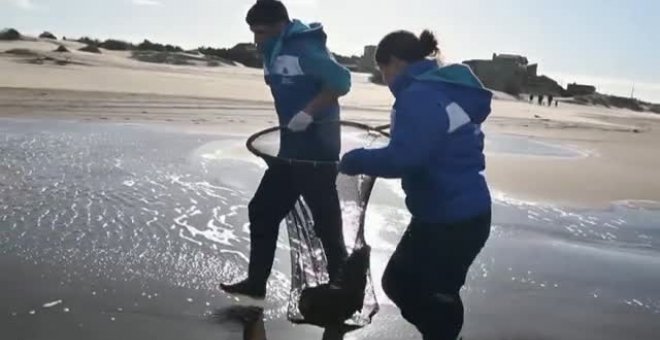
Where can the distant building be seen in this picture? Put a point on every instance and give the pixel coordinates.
(544, 85)
(368, 62)
(580, 90)
(505, 72)
(512, 58)
(513, 74)
(532, 70)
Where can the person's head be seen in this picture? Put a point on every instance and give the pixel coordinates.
(401, 48)
(267, 19)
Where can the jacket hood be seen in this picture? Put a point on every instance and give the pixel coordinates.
(295, 30)
(456, 81)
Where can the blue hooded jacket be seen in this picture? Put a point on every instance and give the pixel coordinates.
(297, 67)
(436, 144)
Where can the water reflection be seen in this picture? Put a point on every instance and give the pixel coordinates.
(251, 319)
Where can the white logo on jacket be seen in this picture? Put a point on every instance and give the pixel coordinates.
(455, 114)
(457, 117)
(288, 66)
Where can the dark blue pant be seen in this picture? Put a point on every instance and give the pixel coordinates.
(427, 270)
(276, 196)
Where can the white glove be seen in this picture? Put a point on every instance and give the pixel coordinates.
(300, 122)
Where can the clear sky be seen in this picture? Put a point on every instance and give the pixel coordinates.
(610, 43)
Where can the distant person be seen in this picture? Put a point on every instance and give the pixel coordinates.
(531, 98)
(436, 148)
(550, 100)
(541, 97)
(556, 103)
(306, 83)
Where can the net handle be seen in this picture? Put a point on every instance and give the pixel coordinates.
(383, 129)
(256, 152)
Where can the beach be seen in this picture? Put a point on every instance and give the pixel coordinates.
(124, 186)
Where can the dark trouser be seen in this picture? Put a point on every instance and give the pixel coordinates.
(428, 269)
(278, 192)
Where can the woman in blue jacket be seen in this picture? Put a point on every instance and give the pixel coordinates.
(436, 148)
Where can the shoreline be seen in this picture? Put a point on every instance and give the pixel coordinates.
(618, 165)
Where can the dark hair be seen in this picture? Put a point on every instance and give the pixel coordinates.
(407, 47)
(267, 12)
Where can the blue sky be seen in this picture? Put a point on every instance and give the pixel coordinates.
(610, 43)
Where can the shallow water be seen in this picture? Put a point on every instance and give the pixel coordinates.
(109, 225)
(528, 146)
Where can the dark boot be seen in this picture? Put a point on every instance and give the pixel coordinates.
(245, 288)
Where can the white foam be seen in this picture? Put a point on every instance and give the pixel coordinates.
(218, 151)
(501, 197)
(377, 222)
(52, 304)
(235, 252)
(638, 204)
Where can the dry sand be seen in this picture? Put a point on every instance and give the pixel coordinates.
(620, 159)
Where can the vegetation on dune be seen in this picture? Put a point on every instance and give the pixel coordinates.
(147, 45)
(245, 54)
(10, 34)
(24, 52)
(179, 58)
(90, 49)
(47, 35)
(613, 101)
(61, 49)
(116, 45)
(157, 57)
(89, 41)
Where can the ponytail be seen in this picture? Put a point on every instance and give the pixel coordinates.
(406, 46)
(428, 44)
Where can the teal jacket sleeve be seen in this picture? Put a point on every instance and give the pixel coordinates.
(319, 63)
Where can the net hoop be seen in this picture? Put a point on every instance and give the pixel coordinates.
(273, 158)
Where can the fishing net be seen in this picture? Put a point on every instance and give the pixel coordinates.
(351, 302)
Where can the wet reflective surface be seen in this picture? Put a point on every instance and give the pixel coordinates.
(527, 146)
(122, 231)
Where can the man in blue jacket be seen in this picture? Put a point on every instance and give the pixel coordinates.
(306, 83)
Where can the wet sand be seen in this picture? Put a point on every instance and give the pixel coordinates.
(114, 230)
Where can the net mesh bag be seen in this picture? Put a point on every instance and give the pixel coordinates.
(351, 303)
